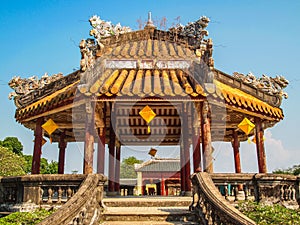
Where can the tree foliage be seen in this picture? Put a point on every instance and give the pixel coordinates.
(127, 167)
(13, 144)
(11, 163)
(294, 170)
(45, 168)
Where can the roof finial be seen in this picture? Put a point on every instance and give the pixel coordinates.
(149, 22)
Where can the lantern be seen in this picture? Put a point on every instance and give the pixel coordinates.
(246, 126)
(152, 152)
(148, 115)
(50, 126)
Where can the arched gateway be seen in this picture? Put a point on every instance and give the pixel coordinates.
(148, 87)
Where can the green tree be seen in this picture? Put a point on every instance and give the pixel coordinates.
(13, 144)
(294, 170)
(11, 163)
(127, 167)
(45, 167)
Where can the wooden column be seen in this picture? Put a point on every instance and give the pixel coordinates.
(196, 150)
(111, 165)
(182, 169)
(101, 119)
(62, 152)
(101, 150)
(206, 138)
(117, 171)
(261, 155)
(186, 148)
(37, 151)
(89, 138)
(236, 152)
(162, 186)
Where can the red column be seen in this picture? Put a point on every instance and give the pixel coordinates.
(261, 155)
(206, 138)
(196, 121)
(62, 151)
(111, 170)
(37, 151)
(236, 152)
(162, 186)
(101, 150)
(196, 150)
(186, 146)
(89, 138)
(117, 171)
(182, 169)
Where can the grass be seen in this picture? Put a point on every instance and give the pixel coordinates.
(25, 218)
(265, 215)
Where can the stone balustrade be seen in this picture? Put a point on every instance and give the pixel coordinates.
(212, 206)
(85, 207)
(266, 188)
(209, 205)
(24, 193)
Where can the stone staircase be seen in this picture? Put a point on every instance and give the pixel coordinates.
(147, 210)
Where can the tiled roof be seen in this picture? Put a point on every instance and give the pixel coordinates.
(234, 96)
(147, 49)
(143, 82)
(172, 82)
(160, 165)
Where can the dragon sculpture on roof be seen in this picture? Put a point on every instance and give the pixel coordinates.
(270, 85)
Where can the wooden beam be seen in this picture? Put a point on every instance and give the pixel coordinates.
(56, 110)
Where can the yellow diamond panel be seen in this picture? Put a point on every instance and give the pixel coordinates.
(246, 126)
(50, 126)
(147, 114)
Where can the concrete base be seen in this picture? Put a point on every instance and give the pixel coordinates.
(186, 193)
(111, 193)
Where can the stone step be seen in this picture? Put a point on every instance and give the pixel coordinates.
(147, 201)
(178, 214)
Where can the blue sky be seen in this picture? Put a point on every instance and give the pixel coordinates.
(257, 36)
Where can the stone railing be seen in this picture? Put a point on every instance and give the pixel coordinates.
(266, 188)
(24, 193)
(209, 205)
(85, 207)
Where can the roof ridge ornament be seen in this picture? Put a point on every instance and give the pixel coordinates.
(192, 29)
(149, 24)
(270, 85)
(102, 28)
(24, 86)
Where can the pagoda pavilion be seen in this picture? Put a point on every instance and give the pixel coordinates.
(149, 88)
